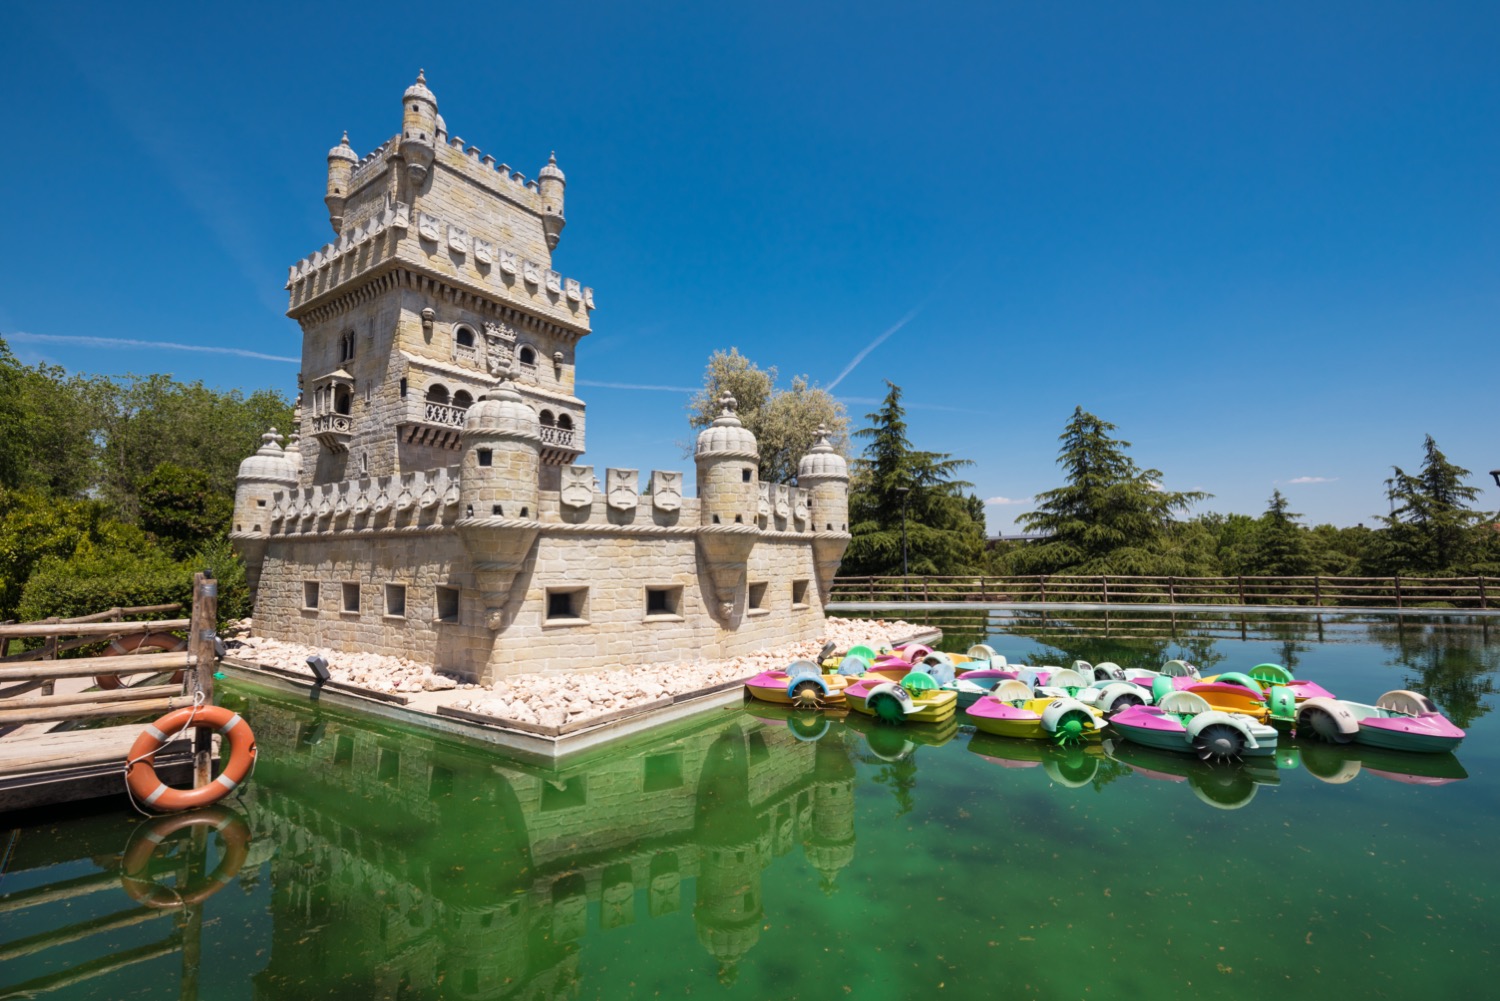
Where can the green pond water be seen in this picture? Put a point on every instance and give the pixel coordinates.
(751, 854)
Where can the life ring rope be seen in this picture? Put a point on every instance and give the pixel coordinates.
(141, 781)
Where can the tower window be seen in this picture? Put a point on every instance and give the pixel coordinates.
(395, 601)
(462, 400)
(567, 604)
(799, 594)
(447, 604)
(351, 598)
(565, 422)
(483, 456)
(310, 595)
(547, 419)
(755, 597)
(437, 393)
(527, 356)
(664, 601)
(745, 475)
(465, 337)
(403, 387)
(343, 401)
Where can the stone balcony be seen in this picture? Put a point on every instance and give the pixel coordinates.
(333, 431)
(428, 422)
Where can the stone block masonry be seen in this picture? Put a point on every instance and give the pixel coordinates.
(436, 511)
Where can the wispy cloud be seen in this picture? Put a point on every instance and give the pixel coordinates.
(1313, 479)
(872, 346)
(1007, 500)
(870, 401)
(636, 385)
(129, 344)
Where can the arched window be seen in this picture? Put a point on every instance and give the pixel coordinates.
(465, 337)
(437, 393)
(565, 422)
(342, 400)
(462, 399)
(527, 354)
(346, 347)
(547, 419)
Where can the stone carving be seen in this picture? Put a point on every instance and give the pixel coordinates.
(484, 252)
(577, 486)
(622, 488)
(382, 502)
(531, 271)
(783, 501)
(496, 352)
(588, 298)
(799, 503)
(575, 291)
(427, 226)
(554, 281)
(362, 500)
(508, 261)
(450, 496)
(405, 500)
(402, 217)
(341, 505)
(764, 509)
(458, 240)
(429, 498)
(666, 490)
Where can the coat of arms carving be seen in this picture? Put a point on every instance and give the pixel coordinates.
(666, 490)
(621, 486)
(577, 486)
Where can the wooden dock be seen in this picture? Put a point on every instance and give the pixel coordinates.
(62, 739)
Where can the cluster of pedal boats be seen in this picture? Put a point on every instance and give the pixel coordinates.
(1229, 716)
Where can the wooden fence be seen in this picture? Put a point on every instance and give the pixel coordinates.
(1310, 592)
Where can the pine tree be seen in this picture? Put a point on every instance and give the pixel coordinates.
(1110, 516)
(1427, 529)
(1279, 545)
(943, 537)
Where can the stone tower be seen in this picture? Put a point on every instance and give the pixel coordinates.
(825, 473)
(260, 477)
(728, 489)
(440, 276)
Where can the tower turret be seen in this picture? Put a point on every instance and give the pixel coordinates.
(497, 490)
(419, 127)
(260, 476)
(341, 161)
(552, 182)
(825, 475)
(728, 491)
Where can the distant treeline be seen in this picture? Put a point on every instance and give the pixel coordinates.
(113, 490)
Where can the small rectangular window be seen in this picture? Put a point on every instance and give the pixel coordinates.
(564, 794)
(566, 603)
(389, 767)
(447, 604)
(395, 600)
(343, 751)
(310, 594)
(799, 594)
(662, 771)
(664, 601)
(745, 475)
(351, 597)
(482, 456)
(260, 503)
(756, 597)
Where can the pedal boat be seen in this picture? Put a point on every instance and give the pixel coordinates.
(1399, 721)
(1185, 722)
(801, 684)
(898, 703)
(1013, 710)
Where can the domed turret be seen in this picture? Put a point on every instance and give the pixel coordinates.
(825, 475)
(419, 128)
(497, 489)
(728, 493)
(260, 477)
(551, 183)
(341, 161)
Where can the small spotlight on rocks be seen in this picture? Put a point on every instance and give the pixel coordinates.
(319, 668)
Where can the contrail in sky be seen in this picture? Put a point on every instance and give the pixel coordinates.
(121, 342)
(872, 346)
(635, 385)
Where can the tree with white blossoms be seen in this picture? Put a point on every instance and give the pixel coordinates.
(784, 421)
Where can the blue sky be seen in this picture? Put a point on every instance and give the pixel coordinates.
(1260, 238)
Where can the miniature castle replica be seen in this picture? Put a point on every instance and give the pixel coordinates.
(436, 510)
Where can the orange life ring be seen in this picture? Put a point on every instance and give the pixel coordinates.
(142, 848)
(123, 646)
(140, 770)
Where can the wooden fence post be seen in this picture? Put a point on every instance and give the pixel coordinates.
(1318, 590)
(1042, 583)
(1484, 601)
(1104, 583)
(925, 595)
(1397, 580)
(984, 591)
(202, 629)
(872, 589)
(1242, 589)
(1171, 590)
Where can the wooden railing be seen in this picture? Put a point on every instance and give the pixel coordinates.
(1312, 591)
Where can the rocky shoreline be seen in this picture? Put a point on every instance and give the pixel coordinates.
(555, 699)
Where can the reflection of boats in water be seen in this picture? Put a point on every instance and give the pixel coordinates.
(1340, 763)
(1222, 785)
(1074, 766)
(894, 743)
(804, 724)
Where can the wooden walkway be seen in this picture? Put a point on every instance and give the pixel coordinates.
(61, 739)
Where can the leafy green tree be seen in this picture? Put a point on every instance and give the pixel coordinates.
(893, 479)
(36, 528)
(784, 421)
(1110, 516)
(1428, 529)
(181, 509)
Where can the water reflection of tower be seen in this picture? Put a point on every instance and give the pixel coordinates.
(829, 842)
(727, 907)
